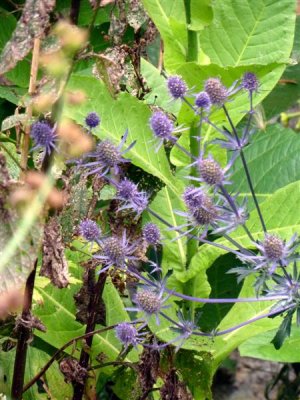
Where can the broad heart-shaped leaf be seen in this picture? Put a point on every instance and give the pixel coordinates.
(201, 14)
(117, 115)
(35, 361)
(250, 32)
(273, 161)
(195, 76)
(169, 18)
(58, 314)
(260, 346)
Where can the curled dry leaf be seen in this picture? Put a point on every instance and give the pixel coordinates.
(31, 25)
(54, 264)
(72, 370)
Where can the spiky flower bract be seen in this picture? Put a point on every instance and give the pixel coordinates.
(274, 252)
(89, 230)
(193, 197)
(177, 87)
(92, 120)
(106, 157)
(44, 136)
(128, 334)
(203, 100)
(151, 234)
(216, 91)
(116, 251)
(250, 82)
(130, 196)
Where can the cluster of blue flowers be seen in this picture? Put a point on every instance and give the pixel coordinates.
(210, 209)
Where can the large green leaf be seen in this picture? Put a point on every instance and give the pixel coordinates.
(117, 115)
(260, 346)
(272, 153)
(35, 361)
(250, 32)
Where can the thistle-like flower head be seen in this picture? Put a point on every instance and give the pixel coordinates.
(107, 156)
(116, 251)
(44, 136)
(274, 252)
(206, 214)
(130, 197)
(250, 82)
(216, 91)
(92, 120)
(210, 171)
(161, 125)
(193, 197)
(203, 101)
(177, 87)
(128, 334)
(151, 234)
(89, 230)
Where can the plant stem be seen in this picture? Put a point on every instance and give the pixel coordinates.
(31, 90)
(90, 327)
(24, 333)
(246, 169)
(192, 50)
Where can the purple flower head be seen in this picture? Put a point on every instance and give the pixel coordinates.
(210, 171)
(92, 120)
(150, 299)
(128, 334)
(274, 252)
(44, 136)
(115, 252)
(151, 234)
(107, 156)
(217, 92)
(89, 230)
(177, 87)
(161, 125)
(250, 82)
(206, 214)
(203, 101)
(131, 197)
(193, 197)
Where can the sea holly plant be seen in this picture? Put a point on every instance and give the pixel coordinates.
(141, 224)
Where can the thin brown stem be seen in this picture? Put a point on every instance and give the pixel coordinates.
(31, 90)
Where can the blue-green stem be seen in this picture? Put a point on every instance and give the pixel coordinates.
(192, 50)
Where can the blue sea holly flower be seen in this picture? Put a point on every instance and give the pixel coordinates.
(274, 252)
(216, 91)
(150, 299)
(107, 156)
(129, 335)
(177, 87)
(203, 101)
(131, 198)
(44, 136)
(230, 219)
(89, 230)
(115, 251)
(92, 120)
(250, 82)
(151, 234)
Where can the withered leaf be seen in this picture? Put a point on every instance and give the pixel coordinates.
(31, 25)
(54, 265)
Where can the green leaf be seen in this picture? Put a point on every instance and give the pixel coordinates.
(201, 14)
(260, 346)
(283, 332)
(58, 315)
(250, 32)
(274, 152)
(35, 360)
(117, 115)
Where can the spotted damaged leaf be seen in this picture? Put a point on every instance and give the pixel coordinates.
(31, 25)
